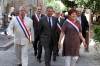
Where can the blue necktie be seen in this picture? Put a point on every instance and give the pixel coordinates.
(50, 22)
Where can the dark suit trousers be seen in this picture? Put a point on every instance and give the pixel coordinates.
(55, 49)
(39, 48)
(48, 52)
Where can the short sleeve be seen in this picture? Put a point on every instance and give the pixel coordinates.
(64, 27)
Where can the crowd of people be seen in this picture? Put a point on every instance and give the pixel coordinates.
(47, 31)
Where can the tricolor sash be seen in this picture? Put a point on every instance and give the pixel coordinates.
(59, 26)
(23, 26)
(73, 25)
(37, 17)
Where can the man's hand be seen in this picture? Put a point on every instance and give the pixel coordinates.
(87, 31)
(85, 45)
(32, 42)
(9, 36)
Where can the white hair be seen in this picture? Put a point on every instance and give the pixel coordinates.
(58, 11)
(22, 7)
(79, 9)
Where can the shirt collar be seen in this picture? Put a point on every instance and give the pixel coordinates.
(38, 14)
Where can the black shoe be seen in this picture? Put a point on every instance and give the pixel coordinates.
(38, 60)
(35, 53)
(19, 64)
(54, 58)
(5, 33)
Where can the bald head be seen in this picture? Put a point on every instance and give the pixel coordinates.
(39, 10)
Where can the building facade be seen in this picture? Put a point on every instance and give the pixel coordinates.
(29, 4)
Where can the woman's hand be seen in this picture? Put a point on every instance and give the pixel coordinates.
(59, 45)
(85, 45)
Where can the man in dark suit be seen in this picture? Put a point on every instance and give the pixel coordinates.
(84, 23)
(36, 17)
(59, 26)
(47, 32)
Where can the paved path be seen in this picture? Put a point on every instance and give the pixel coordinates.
(7, 58)
(5, 43)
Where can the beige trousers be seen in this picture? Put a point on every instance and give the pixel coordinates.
(21, 52)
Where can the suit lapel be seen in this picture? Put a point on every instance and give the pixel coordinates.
(60, 21)
(41, 15)
(81, 21)
(53, 21)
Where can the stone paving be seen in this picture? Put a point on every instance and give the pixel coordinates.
(5, 43)
(7, 58)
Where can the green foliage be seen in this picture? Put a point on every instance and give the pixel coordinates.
(68, 3)
(97, 41)
(94, 5)
(55, 5)
(48, 2)
(97, 33)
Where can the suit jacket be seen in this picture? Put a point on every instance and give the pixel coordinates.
(46, 32)
(84, 24)
(58, 31)
(19, 36)
(35, 25)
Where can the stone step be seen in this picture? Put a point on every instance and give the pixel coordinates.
(7, 46)
(5, 43)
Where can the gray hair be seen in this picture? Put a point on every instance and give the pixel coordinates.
(58, 11)
(79, 9)
(49, 7)
(21, 7)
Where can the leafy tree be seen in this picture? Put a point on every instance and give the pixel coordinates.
(91, 4)
(55, 5)
(49, 2)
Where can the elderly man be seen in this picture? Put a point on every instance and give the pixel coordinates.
(47, 32)
(84, 23)
(59, 26)
(22, 26)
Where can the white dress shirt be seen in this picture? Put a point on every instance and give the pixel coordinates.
(79, 19)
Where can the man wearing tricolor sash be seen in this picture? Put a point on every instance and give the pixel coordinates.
(36, 18)
(59, 27)
(22, 26)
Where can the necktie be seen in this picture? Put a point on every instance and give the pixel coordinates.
(49, 22)
(23, 19)
(39, 16)
(58, 20)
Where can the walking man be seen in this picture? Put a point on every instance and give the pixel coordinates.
(22, 26)
(59, 26)
(47, 32)
(84, 24)
(36, 18)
